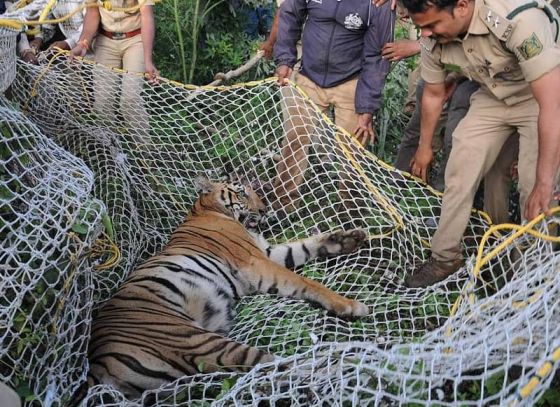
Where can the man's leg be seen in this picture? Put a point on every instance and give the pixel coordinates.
(132, 105)
(355, 202)
(498, 181)
(458, 108)
(298, 127)
(411, 135)
(105, 82)
(343, 97)
(411, 98)
(477, 141)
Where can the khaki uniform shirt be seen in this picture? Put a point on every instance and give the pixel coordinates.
(502, 55)
(120, 21)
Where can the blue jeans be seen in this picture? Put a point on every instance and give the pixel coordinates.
(258, 20)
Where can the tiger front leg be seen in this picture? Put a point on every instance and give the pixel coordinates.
(295, 254)
(270, 278)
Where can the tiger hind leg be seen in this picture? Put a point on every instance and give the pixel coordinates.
(133, 366)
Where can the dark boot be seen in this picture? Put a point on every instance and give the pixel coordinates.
(431, 272)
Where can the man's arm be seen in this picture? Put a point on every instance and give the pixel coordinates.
(291, 18)
(433, 99)
(89, 31)
(400, 49)
(545, 89)
(148, 35)
(374, 71)
(268, 45)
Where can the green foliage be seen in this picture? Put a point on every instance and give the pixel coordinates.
(197, 39)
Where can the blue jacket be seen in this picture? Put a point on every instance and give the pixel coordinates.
(341, 39)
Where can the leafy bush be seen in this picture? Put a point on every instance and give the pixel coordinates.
(199, 38)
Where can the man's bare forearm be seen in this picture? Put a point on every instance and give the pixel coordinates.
(433, 99)
(148, 31)
(545, 90)
(91, 24)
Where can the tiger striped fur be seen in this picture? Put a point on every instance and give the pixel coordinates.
(168, 318)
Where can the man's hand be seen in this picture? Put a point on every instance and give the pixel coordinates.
(395, 51)
(283, 72)
(420, 163)
(538, 201)
(379, 3)
(364, 130)
(151, 73)
(80, 49)
(60, 44)
(29, 56)
(267, 47)
(36, 44)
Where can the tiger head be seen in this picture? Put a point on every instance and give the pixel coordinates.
(232, 198)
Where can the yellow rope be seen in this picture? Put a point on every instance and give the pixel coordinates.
(43, 72)
(481, 261)
(42, 17)
(542, 373)
(102, 247)
(20, 24)
(378, 196)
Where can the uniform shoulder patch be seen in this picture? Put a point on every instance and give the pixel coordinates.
(530, 47)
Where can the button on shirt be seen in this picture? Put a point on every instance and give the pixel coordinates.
(502, 55)
(120, 21)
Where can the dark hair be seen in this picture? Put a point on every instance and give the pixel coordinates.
(420, 6)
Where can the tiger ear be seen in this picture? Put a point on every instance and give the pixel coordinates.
(203, 185)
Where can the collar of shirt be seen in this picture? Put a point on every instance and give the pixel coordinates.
(477, 26)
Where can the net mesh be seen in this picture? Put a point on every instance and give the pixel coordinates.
(93, 159)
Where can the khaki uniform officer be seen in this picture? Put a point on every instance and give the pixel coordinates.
(124, 40)
(510, 48)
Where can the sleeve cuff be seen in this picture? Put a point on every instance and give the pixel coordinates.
(432, 76)
(370, 110)
(287, 62)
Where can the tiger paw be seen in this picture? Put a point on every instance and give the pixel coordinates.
(342, 242)
(350, 308)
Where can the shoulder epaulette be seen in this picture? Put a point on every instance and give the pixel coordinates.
(501, 27)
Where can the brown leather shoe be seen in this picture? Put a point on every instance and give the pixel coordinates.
(431, 272)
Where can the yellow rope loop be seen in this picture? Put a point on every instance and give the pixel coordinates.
(43, 72)
(105, 247)
(528, 228)
(107, 5)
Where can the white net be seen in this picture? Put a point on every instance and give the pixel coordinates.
(92, 156)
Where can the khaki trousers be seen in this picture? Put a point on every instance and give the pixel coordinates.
(480, 142)
(128, 55)
(300, 125)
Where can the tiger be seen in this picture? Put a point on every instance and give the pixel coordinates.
(171, 316)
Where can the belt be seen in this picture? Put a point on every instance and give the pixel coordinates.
(119, 36)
